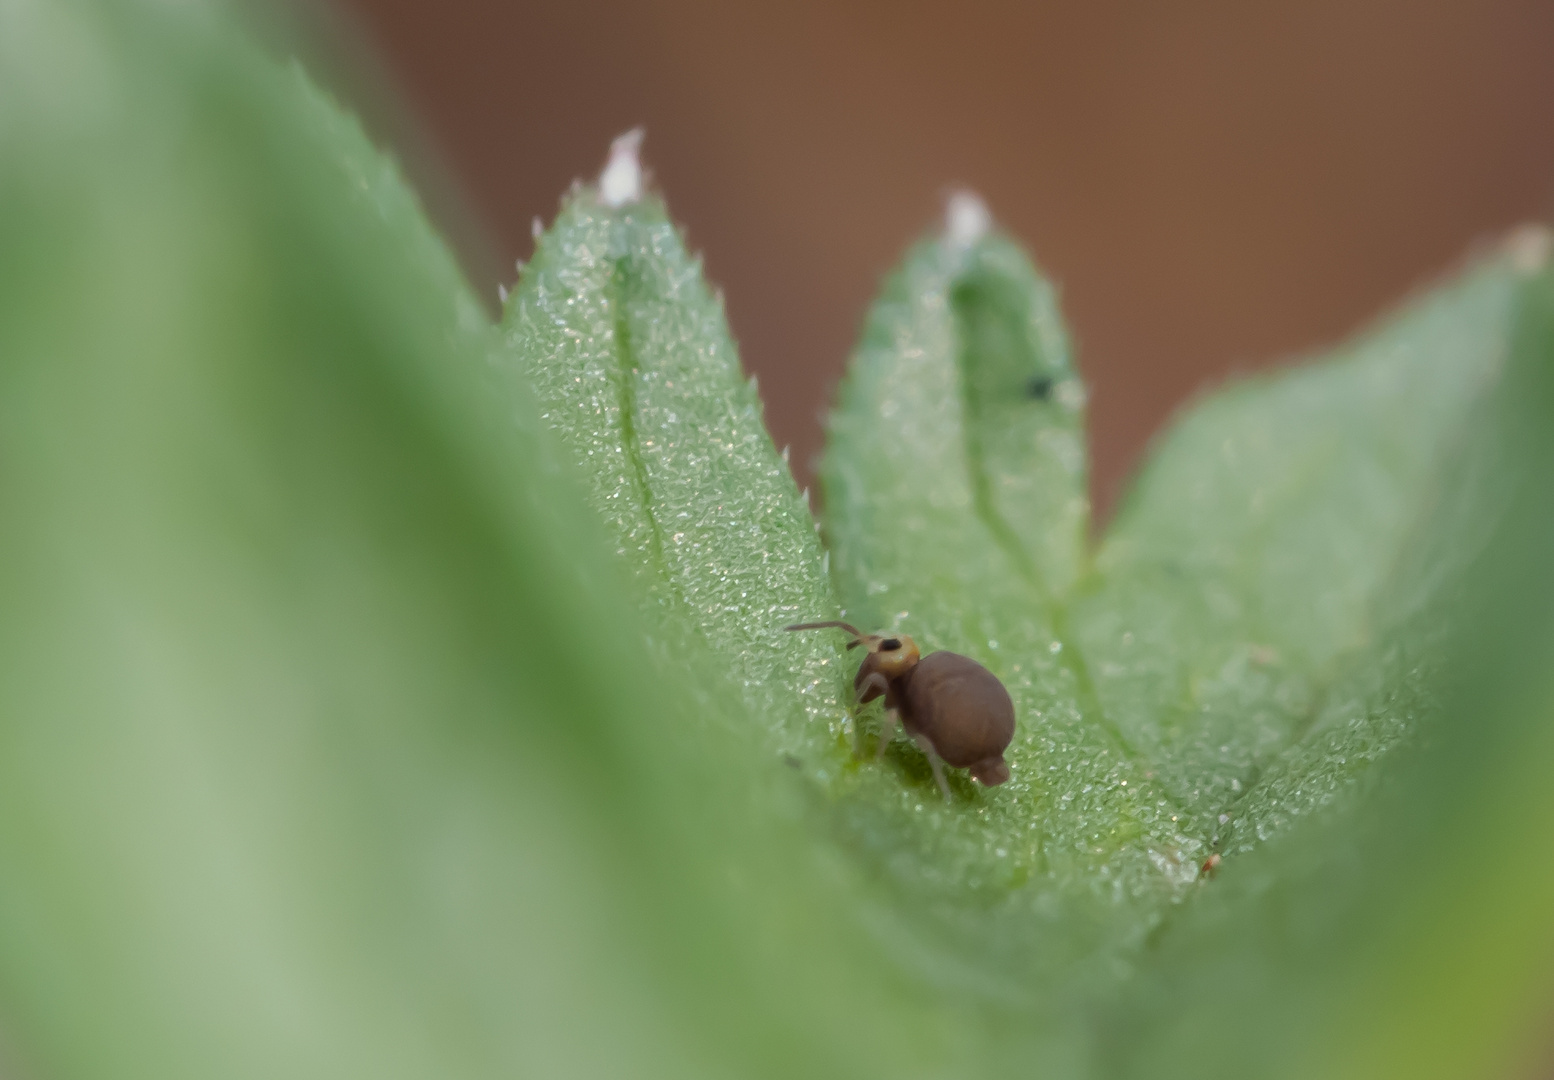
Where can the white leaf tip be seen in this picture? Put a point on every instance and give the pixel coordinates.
(621, 181)
(966, 218)
(1529, 247)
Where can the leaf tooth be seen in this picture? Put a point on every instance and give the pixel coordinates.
(966, 219)
(620, 184)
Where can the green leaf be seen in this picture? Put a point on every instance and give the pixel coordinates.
(1251, 585)
(1406, 932)
(1262, 626)
(629, 352)
(955, 508)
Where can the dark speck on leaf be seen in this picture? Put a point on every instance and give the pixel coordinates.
(1039, 387)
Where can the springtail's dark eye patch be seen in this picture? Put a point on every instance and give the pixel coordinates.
(890, 644)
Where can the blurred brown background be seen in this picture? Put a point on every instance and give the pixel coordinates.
(1215, 185)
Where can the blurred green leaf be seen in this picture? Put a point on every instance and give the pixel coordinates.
(1251, 584)
(326, 747)
(1405, 932)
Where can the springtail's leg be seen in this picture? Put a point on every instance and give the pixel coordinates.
(887, 732)
(938, 769)
(875, 681)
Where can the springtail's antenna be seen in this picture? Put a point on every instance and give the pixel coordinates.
(849, 627)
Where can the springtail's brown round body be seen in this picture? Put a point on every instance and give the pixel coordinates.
(955, 708)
